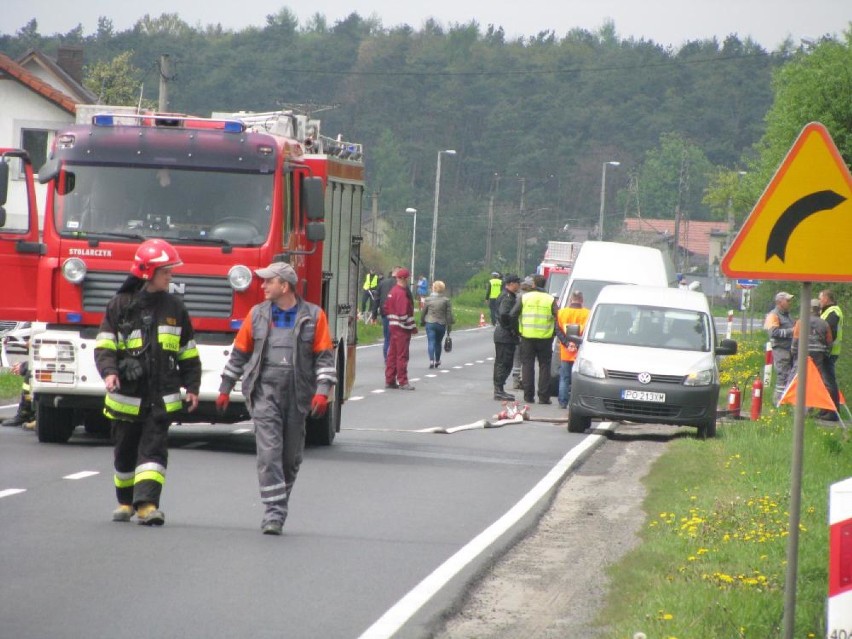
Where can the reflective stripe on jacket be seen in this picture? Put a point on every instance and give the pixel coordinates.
(536, 318)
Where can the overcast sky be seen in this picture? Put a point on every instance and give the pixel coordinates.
(669, 22)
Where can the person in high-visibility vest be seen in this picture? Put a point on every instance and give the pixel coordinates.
(574, 313)
(831, 313)
(535, 313)
(493, 288)
(371, 283)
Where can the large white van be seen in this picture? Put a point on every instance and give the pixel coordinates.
(648, 355)
(599, 264)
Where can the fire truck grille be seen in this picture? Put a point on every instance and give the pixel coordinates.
(203, 296)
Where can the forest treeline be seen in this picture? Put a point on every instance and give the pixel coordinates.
(542, 113)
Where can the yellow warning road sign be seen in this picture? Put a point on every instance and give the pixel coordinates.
(801, 228)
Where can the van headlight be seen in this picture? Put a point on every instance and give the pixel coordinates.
(700, 378)
(587, 367)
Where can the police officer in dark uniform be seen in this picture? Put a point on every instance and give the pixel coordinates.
(145, 352)
(505, 337)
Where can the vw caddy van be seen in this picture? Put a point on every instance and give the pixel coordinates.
(648, 355)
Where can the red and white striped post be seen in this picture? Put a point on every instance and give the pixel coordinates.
(767, 366)
(839, 609)
(730, 329)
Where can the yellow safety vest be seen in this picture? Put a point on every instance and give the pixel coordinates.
(496, 287)
(537, 315)
(370, 282)
(835, 346)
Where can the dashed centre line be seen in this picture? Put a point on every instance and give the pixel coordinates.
(82, 474)
(11, 491)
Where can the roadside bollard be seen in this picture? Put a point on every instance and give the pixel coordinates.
(839, 609)
(767, 365)
(756, 399)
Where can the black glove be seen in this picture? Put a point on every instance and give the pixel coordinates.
(129, 369)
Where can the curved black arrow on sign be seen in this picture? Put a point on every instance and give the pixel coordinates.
(796, 213)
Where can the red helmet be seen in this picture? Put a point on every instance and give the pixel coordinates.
(151, 255)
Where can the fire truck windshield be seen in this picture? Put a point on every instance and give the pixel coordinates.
(172, 203)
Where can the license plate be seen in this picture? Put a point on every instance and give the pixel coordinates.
(643, 396)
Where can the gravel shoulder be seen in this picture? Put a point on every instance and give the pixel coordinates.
(553, 582)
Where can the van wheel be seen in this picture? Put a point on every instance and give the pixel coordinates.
(53, 425)
(320, 431)
(96, 423)
(707, 430)
(577, 423)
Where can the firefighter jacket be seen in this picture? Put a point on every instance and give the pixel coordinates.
(566, 316)
(399, 309)
(148, 341)
(536, 313)
(313, 357)
(506, 331)
(834, 316)
(780, 327)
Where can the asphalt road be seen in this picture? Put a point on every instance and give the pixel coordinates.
(387, 526)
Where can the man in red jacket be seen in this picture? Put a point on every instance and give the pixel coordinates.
(399, 309)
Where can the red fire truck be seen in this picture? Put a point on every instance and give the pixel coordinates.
(232, 193)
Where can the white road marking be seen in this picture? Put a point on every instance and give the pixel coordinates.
(414, 379)
(456, 367)
(378, 390)
(480, 361)
(431, 375)
(356, 398)
(389, 623)
(11, 491)
(445, 370)
(82, 474)
(468, 363)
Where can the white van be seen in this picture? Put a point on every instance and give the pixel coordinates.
(599, 264)
(648, 355)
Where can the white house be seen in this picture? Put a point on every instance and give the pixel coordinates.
(37, 97)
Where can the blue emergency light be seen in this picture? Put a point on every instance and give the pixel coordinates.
(103, 120)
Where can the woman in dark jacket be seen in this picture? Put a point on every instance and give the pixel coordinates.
(437, 317)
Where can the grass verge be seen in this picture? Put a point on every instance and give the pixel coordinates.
(712, 557)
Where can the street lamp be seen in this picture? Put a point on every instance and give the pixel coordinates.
(413, 237)
(603, 193)
(435, 214)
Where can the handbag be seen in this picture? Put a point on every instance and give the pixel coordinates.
(448, 344)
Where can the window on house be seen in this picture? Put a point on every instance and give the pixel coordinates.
(35, 142)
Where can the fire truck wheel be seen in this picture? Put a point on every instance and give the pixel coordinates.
(53, 425)
(321, 431)
(707, 430)
(578, 423)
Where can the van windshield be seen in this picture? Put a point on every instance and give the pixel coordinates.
(171, 203)
(589, 288)
(650, 326)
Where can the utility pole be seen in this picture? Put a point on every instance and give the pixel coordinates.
(681, 187)
(165, 77)
(521, 239)
(375, 197)
(490, 237)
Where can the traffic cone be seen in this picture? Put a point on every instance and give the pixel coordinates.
(481, 320)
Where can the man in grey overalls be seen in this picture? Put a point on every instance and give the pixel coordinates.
(284, 354)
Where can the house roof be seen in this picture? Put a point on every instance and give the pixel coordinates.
(73, 88)
(694, 235)
(11, 69)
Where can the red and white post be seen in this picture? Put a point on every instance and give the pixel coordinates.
(767, 365)
(839, 609)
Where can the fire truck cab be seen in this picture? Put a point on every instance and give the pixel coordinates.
(232, 193)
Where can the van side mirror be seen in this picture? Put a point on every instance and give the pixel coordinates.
(48, 171)
(727, 347)
(313, 201)
(4, 182)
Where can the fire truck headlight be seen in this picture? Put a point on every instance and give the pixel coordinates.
(239, 277)
(74, 270)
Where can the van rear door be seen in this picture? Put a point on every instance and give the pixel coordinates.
(20, 248)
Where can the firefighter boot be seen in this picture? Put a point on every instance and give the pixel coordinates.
(123, 513)
(149, 515)
(502, 395)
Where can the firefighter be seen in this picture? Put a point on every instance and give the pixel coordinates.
(145, 352)
(284, 354)
(399, 309)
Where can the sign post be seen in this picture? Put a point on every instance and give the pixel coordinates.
(783, 238)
